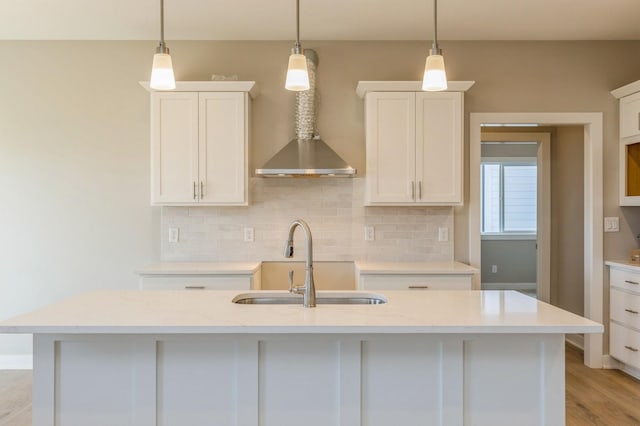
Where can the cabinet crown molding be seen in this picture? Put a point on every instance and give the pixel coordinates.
(210, 86)
(406, 86)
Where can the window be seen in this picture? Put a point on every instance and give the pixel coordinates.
(509, 197)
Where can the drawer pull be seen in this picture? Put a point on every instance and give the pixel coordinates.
(631, 311)
(418, 287)
(194, 287)
(631, 348)
(631, 282)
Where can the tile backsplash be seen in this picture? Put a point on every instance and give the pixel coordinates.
(333, 208)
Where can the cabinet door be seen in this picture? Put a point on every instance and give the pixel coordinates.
(174, 147)
(439, 148)
(390, 148)
(223, 147)
(630, 116)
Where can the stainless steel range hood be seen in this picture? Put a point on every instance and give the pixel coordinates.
(307, 155)
(306, 158)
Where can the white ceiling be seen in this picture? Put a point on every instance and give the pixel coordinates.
(320, 19)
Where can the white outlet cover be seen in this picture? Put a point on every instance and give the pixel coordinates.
(248, 234)
(611, 224)
(174, 235)
(443, 234)
(369, 233)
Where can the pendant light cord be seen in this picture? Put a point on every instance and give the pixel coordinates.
(162, 23)
(435, 24)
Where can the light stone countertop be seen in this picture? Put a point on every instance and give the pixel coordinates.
(212, 312)
(624, 263)
(199, 268)
(441, 268)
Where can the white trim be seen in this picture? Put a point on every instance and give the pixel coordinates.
(593, 178)
(210, 86)
(509, 237)
(509, 286)
(626, 90)
(576, 340)
(406, 86)
(510, 160)
(16, 362)
(613, 364)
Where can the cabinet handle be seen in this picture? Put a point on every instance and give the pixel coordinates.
(639, 121)
(194, 287)
(631, 348)
(631, 311)
(195, 197)
(413, 190)
(201, 190)
(418, 287)
(420, 190)
(631, 282)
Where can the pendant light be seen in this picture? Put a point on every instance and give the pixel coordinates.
(297, 74)
(435, 77)
(162, 70)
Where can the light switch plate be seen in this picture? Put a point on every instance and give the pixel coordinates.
(611, 224)
(174, 235)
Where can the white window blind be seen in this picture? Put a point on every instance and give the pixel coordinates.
(509, 197)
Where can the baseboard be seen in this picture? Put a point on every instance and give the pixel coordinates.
(509, 286)
(614, 364)
(16, 362)
(576, 340)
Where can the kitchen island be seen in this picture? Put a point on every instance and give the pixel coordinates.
(192, 358)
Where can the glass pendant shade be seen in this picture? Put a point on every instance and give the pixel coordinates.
(435, 77)
(162, 73)
(297, 74)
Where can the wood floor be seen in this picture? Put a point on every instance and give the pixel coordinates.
(594, 397)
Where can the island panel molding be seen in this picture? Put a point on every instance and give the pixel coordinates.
(286, 380)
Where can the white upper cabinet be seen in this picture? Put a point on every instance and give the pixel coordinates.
(413, 145)
(629, 148)
(199, 145)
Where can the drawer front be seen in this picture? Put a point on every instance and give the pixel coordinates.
(625, 344)
(625, 308)
(415, 282)
(197, 282)
(624, 279)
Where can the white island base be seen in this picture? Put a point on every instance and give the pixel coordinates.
(311, 380)
(162, 358)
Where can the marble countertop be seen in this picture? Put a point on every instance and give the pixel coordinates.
(212, 312)
(199, 268)
(441, 268)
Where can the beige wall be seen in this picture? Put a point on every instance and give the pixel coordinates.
(74, 134)
(567, 218)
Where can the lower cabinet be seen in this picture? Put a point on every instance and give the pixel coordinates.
(624, 327)
(201, 282)
(414, 282)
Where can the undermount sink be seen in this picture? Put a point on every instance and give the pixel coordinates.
(279, 298)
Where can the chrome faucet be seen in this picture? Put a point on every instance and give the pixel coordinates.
(308, 290)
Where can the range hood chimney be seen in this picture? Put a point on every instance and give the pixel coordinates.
(307, 155)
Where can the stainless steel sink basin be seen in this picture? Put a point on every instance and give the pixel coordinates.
(322, 298)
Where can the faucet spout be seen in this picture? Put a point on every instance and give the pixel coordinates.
(309, 289)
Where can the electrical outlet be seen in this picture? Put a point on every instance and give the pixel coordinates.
(494, 269)
(611, 224)
(369, 233)
(174, 235)
(248, 234)
(443, 234)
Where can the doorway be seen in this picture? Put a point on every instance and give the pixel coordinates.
(593, 215)
(515, 225)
